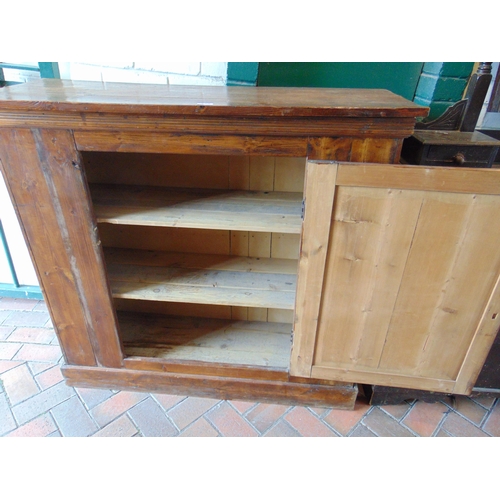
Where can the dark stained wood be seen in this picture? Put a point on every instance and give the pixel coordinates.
(449, 120)
(89, 97)
(40, 218)
(450, 148)
(64, 169)
(260, 127)
(272, 391)
(455, 138)
(476, 93)
(204, 368)
(494, 102)
(152, 142)
(489, 378)
(60, 181)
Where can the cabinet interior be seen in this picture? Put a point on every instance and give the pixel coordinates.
(201, 253)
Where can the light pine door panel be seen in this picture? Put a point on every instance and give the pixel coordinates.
(409, 294)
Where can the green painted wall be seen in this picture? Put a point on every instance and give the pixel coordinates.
(242, 73)
(441, 85)
(399, 77)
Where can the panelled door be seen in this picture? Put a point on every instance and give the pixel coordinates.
(398, 275)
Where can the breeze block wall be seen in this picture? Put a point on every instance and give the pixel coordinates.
(442, 84)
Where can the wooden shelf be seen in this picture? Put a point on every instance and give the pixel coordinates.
(202, 279)
(268, 211)
(206, 340)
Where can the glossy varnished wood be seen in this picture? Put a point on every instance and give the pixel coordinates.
(89, 97)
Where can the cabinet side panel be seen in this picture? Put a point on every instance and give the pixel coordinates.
(40, 221)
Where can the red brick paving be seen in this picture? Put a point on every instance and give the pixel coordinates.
(470, 410)
(492, 424)
(282, 429)
(73, 420)
(8, 365)
(37, 367)
(32, 335)
(9, 304)
(243, 406)
(34, 352)
(168, 401)
(5, 331)
(397, 411)
(42, 402)
(263, 416)
(117, 404)
(39, 427)
(121, 427)
(382, 425)
(7, 422)
(92, 397)
(362, 431)
(424, 418)
(200, 428)
(151, 420)
(307, 424)
(49, 377)
(458, 426)
(27, 318)
(9, 349)
(190, 409)
(35, 401)
(229, 422)
(19, 384)
(344, 421)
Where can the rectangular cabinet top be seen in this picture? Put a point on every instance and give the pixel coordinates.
(68, 96)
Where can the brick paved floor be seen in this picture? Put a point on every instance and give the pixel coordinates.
(35, 401)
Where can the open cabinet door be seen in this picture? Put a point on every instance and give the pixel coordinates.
(398, 275)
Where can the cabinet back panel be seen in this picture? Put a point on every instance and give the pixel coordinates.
(196, 171)
(201, 310)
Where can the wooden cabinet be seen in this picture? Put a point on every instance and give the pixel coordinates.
(166, 226)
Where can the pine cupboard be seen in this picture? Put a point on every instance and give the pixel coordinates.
(250, 243)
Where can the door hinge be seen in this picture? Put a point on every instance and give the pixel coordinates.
(303, 209)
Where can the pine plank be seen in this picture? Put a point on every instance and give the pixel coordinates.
(445, 179)
(222, 280)
(207, 340)
(289, 174)
(371, 234)
(471, 278)
(320, 190)
(204, 209)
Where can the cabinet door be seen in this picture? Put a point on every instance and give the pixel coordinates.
(398, 275)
